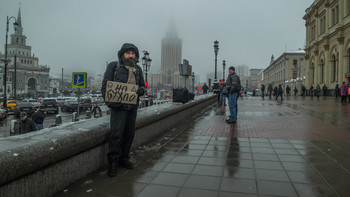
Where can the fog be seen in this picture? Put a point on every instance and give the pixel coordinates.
(81, 35)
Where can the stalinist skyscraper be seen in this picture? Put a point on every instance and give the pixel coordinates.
(171, 56)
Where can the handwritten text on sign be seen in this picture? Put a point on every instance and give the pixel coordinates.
(118, 92)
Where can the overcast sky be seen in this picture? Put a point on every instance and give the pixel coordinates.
(82, 35)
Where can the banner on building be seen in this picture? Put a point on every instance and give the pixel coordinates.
(118, 92)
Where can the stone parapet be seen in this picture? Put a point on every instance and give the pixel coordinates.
(47, 161)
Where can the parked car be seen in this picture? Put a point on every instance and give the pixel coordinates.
(51, 105)
(24, 107)
(60, 101)
(11, 104)
(2, 113)
(69, 105)
(85, 103)
(35, 102)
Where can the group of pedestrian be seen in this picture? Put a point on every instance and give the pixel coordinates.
(35, 123)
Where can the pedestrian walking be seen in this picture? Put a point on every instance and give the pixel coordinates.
(38, 117)
(275, 92)
(343, 92)
(262, 91)
(288, 91)
(303, 89)
(336, 91)
(205, 88)
(318, 91)
(234, 85)
(295, 91)
(123, 116)
(324, 90)
(311, 91)
(222, 99)
(96, 110)
(279, 92)
(26, 124)
(269, 89)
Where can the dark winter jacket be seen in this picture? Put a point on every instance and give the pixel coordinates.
(26, 126)
(121, 75)
(234, 83)
(38, 117)
(95, 110)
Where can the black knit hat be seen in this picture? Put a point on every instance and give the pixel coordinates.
(128, 47)
(232, 68)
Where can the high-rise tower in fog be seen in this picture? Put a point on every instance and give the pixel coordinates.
(171, 54)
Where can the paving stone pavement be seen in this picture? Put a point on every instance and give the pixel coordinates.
(298, 148)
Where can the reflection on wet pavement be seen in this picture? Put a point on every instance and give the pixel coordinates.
(207, 157)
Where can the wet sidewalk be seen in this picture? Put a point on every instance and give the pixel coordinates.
(299, 148)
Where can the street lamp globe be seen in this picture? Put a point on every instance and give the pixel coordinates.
(149, 60)
(216, 46)
(144, 60)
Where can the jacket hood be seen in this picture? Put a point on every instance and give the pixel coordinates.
(128, 47)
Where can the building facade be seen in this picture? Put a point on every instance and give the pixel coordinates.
(287, 69)
(253, 79)
(327, 43)
(25, 77)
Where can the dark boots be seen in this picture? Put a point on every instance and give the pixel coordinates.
(113, 169)
(125, 162)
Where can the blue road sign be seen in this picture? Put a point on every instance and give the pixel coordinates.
(79, 80)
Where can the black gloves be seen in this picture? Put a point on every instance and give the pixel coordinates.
(141, 91)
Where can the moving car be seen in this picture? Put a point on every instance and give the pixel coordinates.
(35, 102)
(69, 105)
(11, 104)
(51, 105)
(24, 107)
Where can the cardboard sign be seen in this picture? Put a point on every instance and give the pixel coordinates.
(118, 92)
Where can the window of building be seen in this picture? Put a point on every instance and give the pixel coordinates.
(22, 41)
(295, 74)
(16, 40)
(323, 25)
(336, 14)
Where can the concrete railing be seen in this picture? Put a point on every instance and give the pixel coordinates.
(45, 162)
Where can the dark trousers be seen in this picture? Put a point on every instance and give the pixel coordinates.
(343, 99)
(122, 134)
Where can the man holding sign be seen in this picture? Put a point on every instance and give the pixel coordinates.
(122, 86)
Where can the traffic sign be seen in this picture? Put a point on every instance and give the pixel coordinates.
(93, 87)
(79, 80)
(93, 92)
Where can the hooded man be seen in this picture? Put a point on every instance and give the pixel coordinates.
(123, 116)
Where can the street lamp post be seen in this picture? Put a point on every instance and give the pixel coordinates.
(223, 70)
(216, 50)
(146, 62)
(6, 61)
(193, 82)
